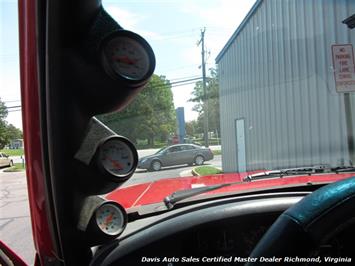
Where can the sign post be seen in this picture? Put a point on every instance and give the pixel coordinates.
(344, 76)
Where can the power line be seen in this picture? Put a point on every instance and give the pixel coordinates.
(12, 101)
(10, 107)
(177, 79)
(166, 69)
(179, 83)
(184, 84)
(185, 80)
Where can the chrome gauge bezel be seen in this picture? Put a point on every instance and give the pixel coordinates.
(119, 211)
(141, 42)
(101, 153)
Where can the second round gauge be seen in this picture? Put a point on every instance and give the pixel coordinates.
(118, 157)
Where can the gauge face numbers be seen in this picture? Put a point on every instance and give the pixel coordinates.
(117, 157)
(110, 219)
(127, 58)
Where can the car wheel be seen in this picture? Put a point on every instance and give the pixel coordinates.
(156, 166)
(199, 160)
(11, 163)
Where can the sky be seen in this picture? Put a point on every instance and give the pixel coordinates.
(172, 27)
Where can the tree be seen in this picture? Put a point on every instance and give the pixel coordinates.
(150, 116)
(3, 114)
(7, 132)
(192, 128)
(13, 132)
(212, 92)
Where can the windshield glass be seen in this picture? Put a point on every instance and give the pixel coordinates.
(240, 88)
(246, 96)
(161, 150)
(256, 85)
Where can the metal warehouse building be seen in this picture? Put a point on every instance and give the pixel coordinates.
(279, 103)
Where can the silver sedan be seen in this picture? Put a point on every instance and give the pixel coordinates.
(176, 155)
(5, 160)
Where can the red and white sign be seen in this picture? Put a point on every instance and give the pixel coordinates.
(344, 67)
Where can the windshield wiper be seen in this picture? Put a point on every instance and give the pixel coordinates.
(308, 170)
(342, 169)
(180, 195)
(177, 196)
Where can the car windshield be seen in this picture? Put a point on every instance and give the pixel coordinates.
(240, 89)
(264, 85)
(160, 150)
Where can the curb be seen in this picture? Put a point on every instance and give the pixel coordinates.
(185, 173)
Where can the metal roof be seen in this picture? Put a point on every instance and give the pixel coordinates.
(239, 29)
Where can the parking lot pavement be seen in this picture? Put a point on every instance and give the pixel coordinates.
(15, 223)
(141, 176)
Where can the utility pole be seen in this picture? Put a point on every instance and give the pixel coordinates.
(205, 98)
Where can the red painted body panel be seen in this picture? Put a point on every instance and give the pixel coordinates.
(32, 128)
(16, 260)
(154, 192)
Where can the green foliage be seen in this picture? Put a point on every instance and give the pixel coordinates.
(150, 116)
(13, 132)
(7, 132)
(3, 115)
(206, 170)
(217, 152)
(193, 128)
(15, 152)
(17, 167)
(197, 97)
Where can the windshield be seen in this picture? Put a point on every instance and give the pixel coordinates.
(240, 88)
(264, 85)
(160, 150)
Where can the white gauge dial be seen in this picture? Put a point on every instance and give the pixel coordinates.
(110, 219)
(117, 157)
(127, 57)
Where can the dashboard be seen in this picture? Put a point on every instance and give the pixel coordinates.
(222, 232)
(221, 241)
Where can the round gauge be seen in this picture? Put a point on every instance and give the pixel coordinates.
(128, 56)
(118, 156)
(111, 218)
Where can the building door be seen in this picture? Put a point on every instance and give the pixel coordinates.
(240, 135)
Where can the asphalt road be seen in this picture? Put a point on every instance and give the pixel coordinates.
(175, 171)
(15, 224)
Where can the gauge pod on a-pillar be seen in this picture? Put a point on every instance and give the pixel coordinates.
(127, 57)
(112, 64)
(107, 222)
(111, 218)
(116, 158)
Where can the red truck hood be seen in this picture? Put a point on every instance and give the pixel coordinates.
(156, 191)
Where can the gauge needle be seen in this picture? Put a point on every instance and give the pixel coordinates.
(126, 60)
(116, 164)
(109, 219)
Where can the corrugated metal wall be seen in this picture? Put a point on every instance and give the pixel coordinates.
(277, 74)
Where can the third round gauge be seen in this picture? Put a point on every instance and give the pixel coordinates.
(111, 218)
